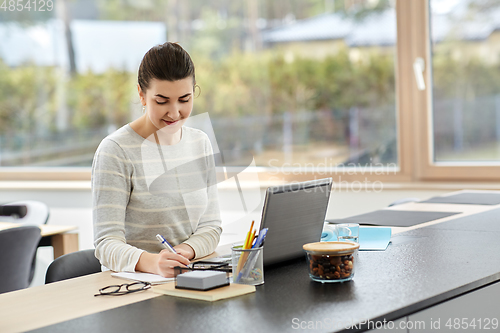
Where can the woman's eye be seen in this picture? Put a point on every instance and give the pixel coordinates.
(184, 100)
(160, 102)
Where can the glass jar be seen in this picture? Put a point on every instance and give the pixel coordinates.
(331, 261)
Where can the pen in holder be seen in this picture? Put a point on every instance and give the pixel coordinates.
(250, 269)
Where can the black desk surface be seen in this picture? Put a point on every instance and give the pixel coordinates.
(421, 268)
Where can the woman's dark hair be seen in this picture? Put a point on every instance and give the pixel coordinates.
(167, 61)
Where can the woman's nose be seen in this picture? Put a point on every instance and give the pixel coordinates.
(173, 112)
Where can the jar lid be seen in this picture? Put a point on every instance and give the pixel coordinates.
(331, 247)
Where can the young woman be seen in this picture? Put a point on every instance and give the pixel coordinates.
(146, 176)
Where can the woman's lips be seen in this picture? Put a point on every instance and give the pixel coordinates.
(169, 122)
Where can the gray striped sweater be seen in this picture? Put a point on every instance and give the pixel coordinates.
(140, 189)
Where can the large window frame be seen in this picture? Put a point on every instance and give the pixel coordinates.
(414, 123)
(422, 106)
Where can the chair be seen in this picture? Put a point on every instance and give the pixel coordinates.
(73, 265)
(37, 213)
(17, 249)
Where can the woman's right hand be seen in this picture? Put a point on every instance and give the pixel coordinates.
(168, 260)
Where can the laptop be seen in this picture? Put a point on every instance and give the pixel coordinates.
(295, 214)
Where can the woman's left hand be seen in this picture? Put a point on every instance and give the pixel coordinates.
(185, 250)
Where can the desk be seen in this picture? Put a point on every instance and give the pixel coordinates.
(53, 235)
(406, 278)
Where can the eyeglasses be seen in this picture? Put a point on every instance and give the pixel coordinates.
(115, 290)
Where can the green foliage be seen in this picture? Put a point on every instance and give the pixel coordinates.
(122, 10)
(265, 83)
(27, 98)
(238, 85)
(101, 99)
(218, 36)
(466, 78)
(242, 84)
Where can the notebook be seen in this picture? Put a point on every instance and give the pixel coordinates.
(213, 295)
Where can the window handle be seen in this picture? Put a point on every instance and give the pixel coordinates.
(418, 70)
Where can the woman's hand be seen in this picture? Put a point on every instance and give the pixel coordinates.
(185, 251)
(168, 260)
(164, 262)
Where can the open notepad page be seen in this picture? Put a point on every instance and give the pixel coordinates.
(144, 277)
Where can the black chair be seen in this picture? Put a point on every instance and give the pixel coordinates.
(17, 249)
(35, 213)
(73, 265)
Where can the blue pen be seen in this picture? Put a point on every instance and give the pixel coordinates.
(165, 243)
(260, 238)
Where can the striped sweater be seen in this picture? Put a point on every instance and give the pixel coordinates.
(140, 189)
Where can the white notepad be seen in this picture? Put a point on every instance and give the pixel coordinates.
(144, 277)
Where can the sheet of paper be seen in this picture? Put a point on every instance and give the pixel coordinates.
(145, 277)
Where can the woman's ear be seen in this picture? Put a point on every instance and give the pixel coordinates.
(141, 95)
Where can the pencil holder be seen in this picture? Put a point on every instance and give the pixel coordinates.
(248, 267)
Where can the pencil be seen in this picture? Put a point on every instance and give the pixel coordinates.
(244, 255)
(252, 237)
(248, 244)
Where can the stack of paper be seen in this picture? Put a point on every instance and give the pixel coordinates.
(201, 280)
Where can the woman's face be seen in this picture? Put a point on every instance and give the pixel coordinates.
(168, 103)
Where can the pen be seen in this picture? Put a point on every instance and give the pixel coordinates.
(165, 243)
(250, 263)
(246, 246)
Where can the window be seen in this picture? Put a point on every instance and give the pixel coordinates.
(457, 112)
(466, 80)
(306, 85)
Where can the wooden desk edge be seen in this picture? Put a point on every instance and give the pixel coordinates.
(61, 301)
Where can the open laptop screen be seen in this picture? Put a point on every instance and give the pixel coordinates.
(294, 214)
